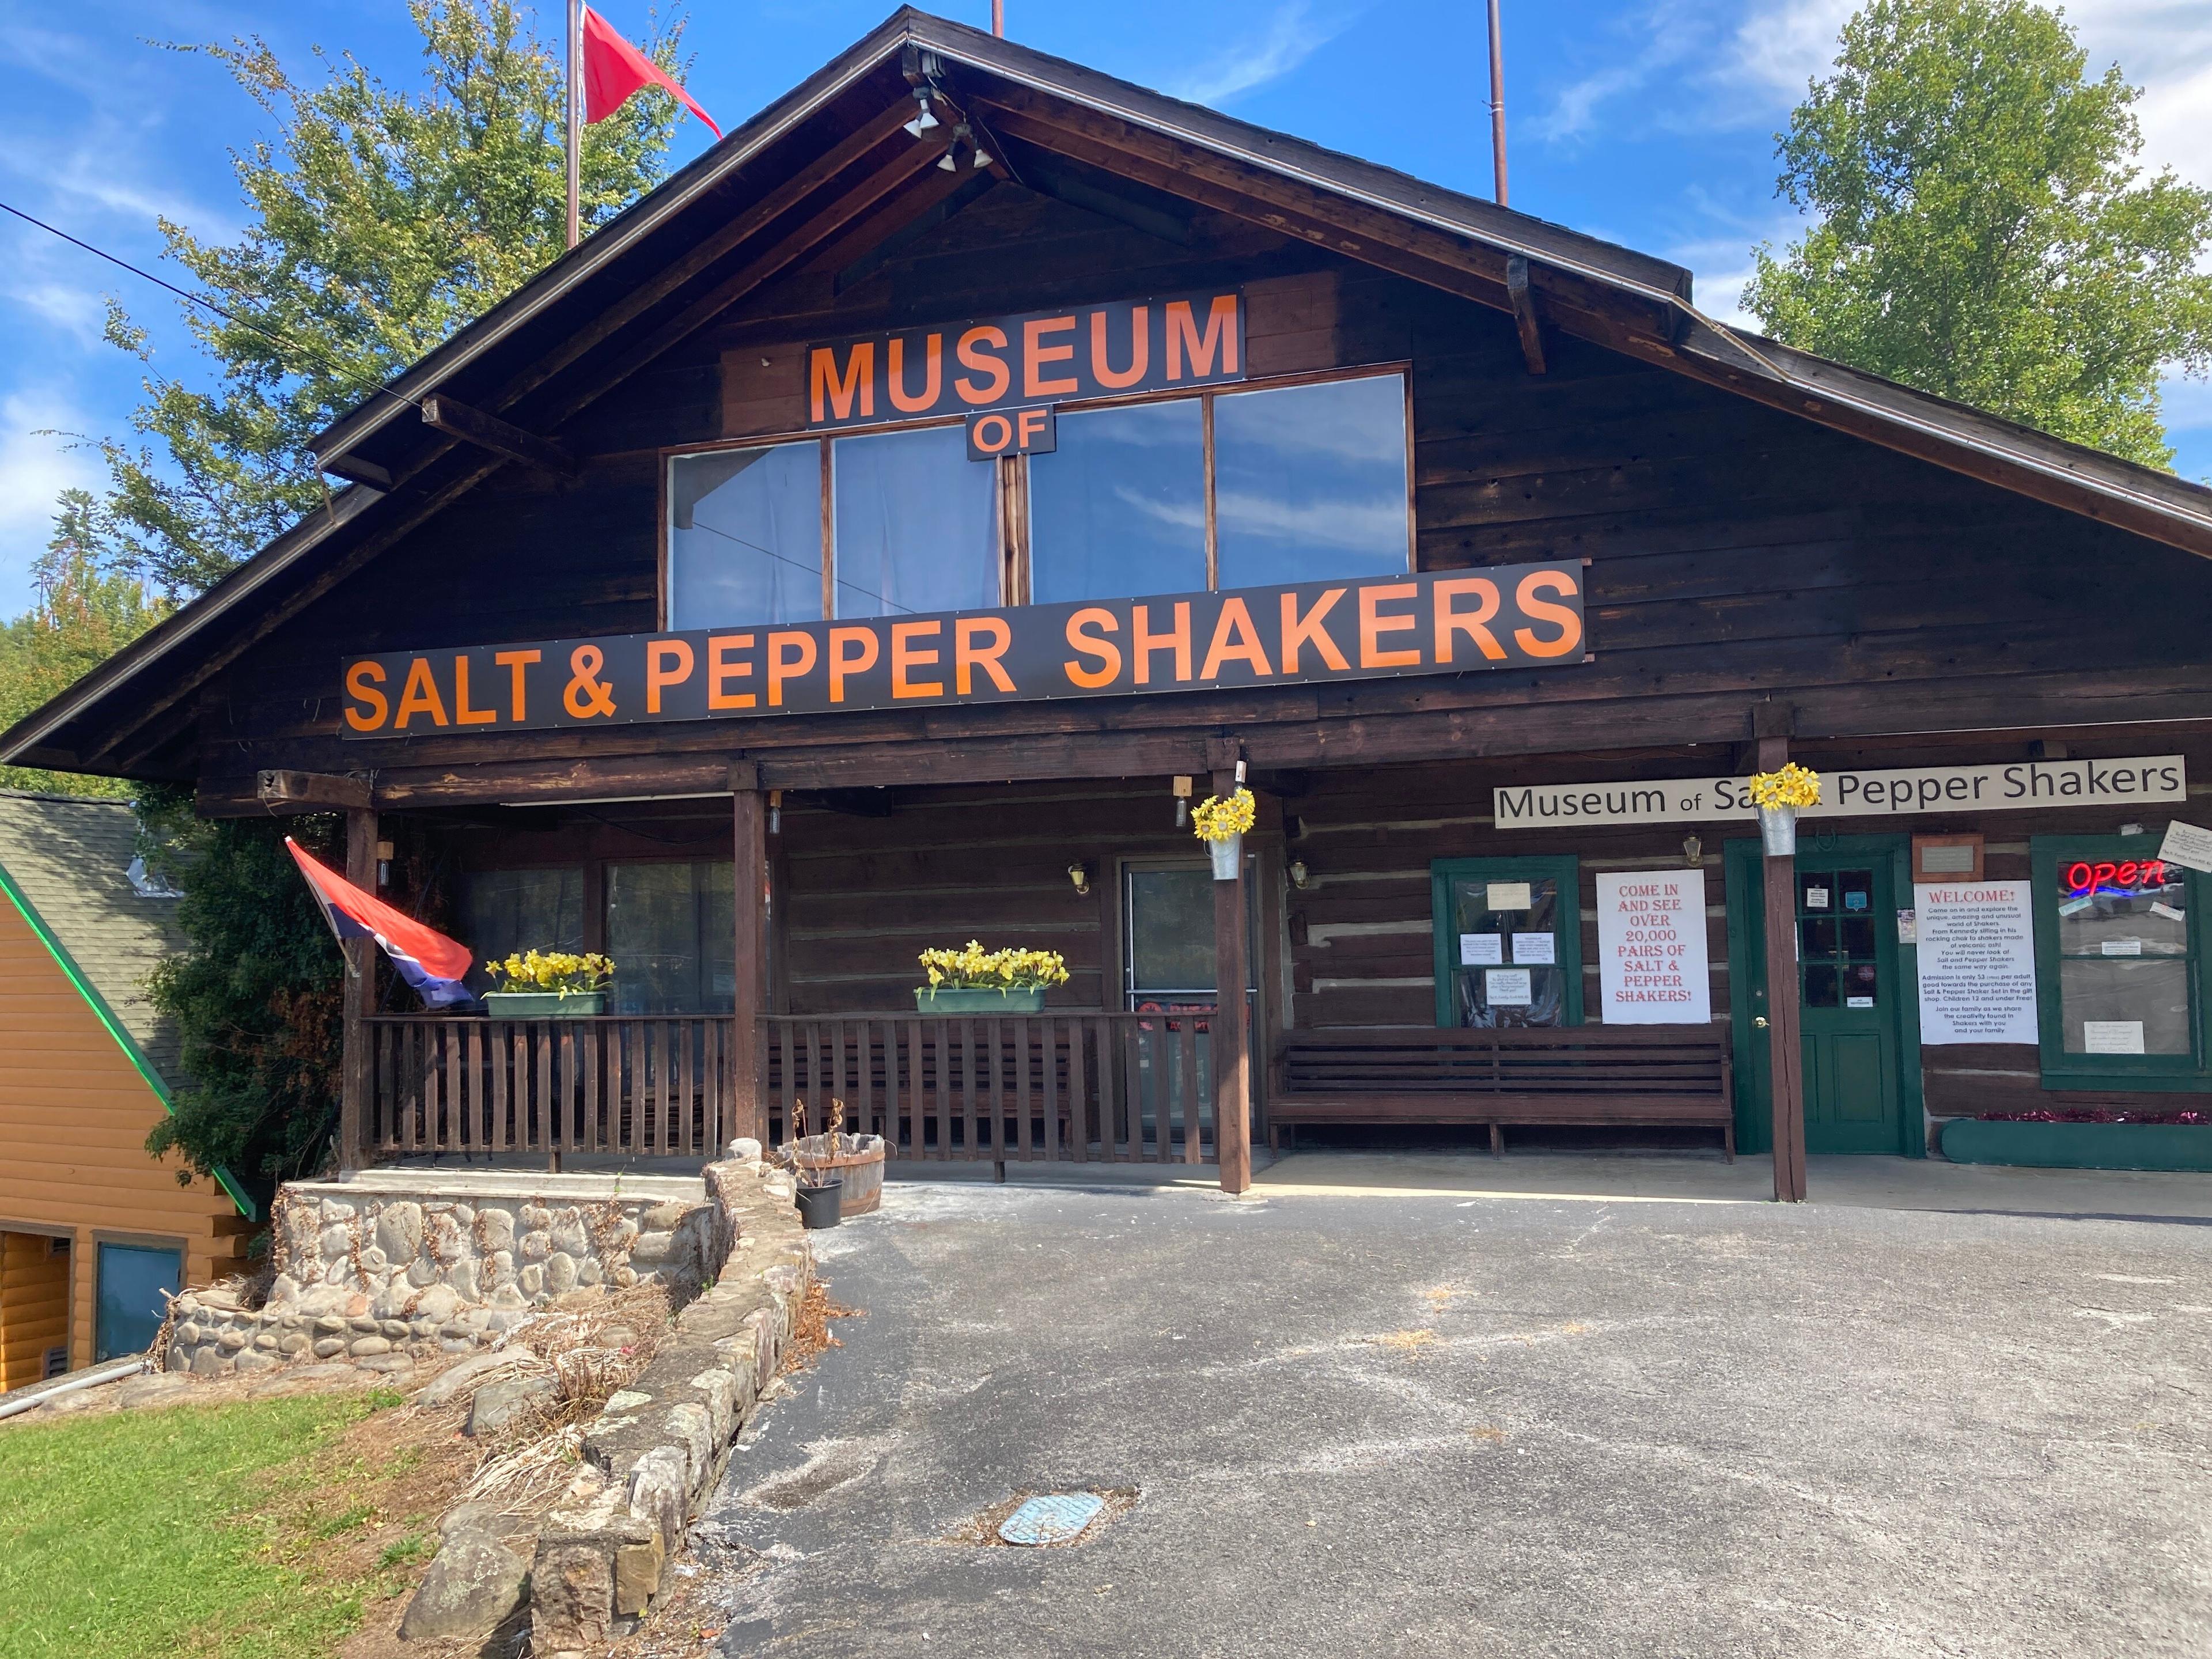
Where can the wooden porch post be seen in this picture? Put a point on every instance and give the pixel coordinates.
(360, 999)
(1785, 1048)
(748, 1115)
(1232, 1066)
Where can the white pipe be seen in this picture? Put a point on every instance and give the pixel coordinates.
(15, 1404)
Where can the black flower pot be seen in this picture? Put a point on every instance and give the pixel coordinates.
(820, 1206)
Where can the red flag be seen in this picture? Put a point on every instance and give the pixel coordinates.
(614, 69)
(434, 964)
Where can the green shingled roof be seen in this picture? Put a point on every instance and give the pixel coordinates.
(70, 858)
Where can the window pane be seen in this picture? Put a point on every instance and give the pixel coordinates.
(917, 523)
(1119, 507)
(1171, 930)
(2133, 1000)
(672, 930)
(132, 1283)
(1309, 482)
(1508, 952)
(744, 536)
(503, 911)
(2100, 915)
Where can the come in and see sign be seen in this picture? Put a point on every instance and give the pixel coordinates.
(2017, 785)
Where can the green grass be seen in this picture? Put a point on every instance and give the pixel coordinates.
(138, 1533)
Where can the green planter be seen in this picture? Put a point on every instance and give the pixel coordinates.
(949, 1001)
(545, 1005)
(2079, 1145)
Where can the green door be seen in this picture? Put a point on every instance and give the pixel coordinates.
(1851, 992)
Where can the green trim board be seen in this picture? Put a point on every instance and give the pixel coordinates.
(2190, 1073)
(106, 1015)
(1564, 870)
(2176, 1146)
(1743, 863)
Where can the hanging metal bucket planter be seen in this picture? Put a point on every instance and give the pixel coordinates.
(1228, 857)
(1777, 830)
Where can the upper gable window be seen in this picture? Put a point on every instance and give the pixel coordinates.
(1299, 481)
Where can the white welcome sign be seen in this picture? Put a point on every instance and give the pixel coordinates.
(1652, 963)
(1977, 962)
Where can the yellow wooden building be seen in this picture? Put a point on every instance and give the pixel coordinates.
(92, 1229)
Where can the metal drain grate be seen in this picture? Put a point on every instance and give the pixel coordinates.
(1052, 1518)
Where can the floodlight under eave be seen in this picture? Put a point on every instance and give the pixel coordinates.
(923, 122)
(981, 161)
(946, 164)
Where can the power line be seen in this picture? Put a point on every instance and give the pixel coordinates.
(262, 329)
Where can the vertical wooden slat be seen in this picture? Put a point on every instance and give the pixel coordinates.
(967, 1082)
(498, 1040)
(1079, 1089)
(788, 1095)
(688, 1032)
(594, 1036)
(940, 1037)
(1133, 1085)
(1049, 1085)
(414, 1049)
(1025, 1036)
(1192, 1100)
(917, 1087)
(541, 1088)
(446, 1129)
(994, 1089)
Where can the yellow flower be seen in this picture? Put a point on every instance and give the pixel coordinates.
(1792, 785)
(1216, 819)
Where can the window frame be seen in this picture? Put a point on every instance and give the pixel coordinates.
(1013, 493)
(1563, 868)
(2152, 1074)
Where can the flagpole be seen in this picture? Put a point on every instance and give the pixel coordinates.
(574, 134)
(1497, 103)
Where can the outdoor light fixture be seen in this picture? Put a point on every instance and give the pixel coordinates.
(1693, 852)
(775, 811)
(1080, 876)
(1298, 876)
(981, 159)
(923, 122)
(1181, 787)
(961, 134)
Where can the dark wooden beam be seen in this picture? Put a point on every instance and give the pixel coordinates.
(748, 1047)
(1785, 1047)
(310, 792)
(842, 210)
(1054, 177)
(898, 233)
(357, 469)
(1229, 1027)
(740, 229)
(457, 419)
(1524, 312)
(360, 995)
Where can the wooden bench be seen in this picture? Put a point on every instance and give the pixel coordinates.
(1584, 1075)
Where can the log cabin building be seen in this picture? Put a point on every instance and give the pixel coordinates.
(878, 535)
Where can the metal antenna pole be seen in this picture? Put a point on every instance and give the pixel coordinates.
(575, 121)
(998, 18)
(1497, 101)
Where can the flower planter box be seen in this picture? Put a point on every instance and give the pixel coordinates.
(2079, 1145)
(945, 1000)
(858, 1162)
(545, 1005)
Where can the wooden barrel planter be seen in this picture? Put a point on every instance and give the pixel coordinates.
(857, 1160)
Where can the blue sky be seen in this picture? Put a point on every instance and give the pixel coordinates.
(1648, 122)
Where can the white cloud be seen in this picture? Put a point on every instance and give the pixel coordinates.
(1292, 35)
(37, 463)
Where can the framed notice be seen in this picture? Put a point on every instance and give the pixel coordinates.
(1977, 962)
(1653, 967)
(1508, 987)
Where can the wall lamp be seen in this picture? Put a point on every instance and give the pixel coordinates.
(1080, 875)
(1181, 787)
(775, 811)
(1693, 852)
(1298, 874)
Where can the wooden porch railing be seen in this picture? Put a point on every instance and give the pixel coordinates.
(1092, 1087)
(650, 1086)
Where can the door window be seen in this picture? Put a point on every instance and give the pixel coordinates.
(1836, 939)
(1509, 942)
(135, 1285)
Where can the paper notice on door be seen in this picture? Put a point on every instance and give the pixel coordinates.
(2188, 846)
(1859, 1002)
(2120, 947)
(1908, 928)
(1508, 987)
(1481, 950)
(1510, 896)
(1816, 898)
(1538, 948)
(2111, 1036)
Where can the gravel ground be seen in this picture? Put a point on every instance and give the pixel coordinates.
(1384, 1426)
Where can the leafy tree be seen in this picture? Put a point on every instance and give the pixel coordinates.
(382, 220)
(379, 222)
(1984, 230)
(84, 613)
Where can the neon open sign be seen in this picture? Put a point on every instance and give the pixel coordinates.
(2083, 877)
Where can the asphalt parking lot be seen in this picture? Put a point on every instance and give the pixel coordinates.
(1533, 1425)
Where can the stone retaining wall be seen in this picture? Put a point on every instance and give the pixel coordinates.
(373, 1274)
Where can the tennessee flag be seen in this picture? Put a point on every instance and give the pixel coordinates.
(434, 964)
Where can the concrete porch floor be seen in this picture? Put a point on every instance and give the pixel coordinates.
(1642, 1177)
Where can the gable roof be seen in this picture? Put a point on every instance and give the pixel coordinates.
(831, 150)
(65, 866)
